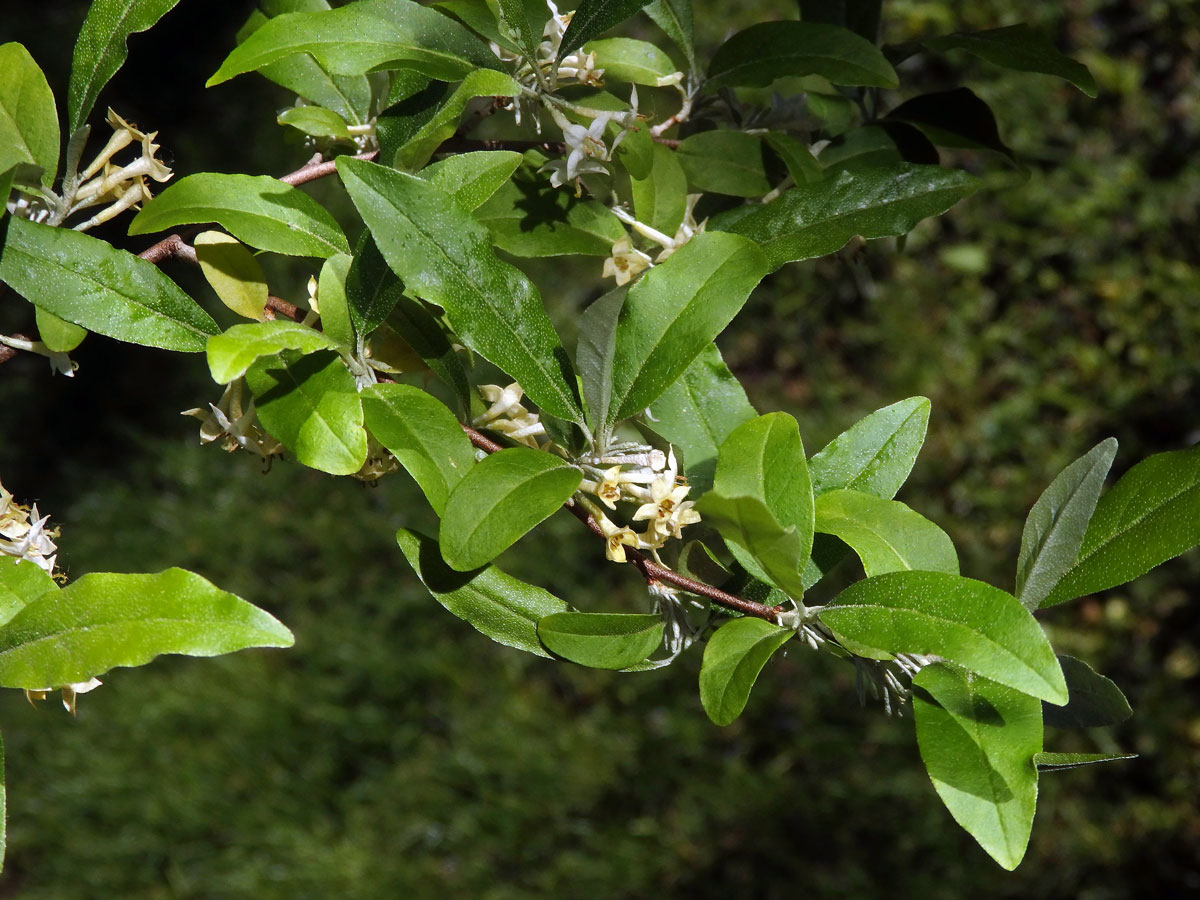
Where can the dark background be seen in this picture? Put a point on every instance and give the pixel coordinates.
(396, 752)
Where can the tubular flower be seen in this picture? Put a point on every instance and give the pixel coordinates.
(616, 540)
(24, 535)
(626, 262)
(236, 426)
(667, 511)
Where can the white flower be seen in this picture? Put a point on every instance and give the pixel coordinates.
(667, 510)
(237, 425)
(69, 692)
(24, 535)
(626, 262)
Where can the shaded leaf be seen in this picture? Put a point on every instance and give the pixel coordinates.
(232, 272)
(525, 218)
(502, 607)
(28, 115)
(372, 288)
(747, 523)
(594, 17)
(660, 199)
(1095, 701)
(87, 281)
(860, 16)
(733, 657)
(1018, 47)
(442, 125)
(601, 640)
(724, 162)
(594, 354)
(674, 17)
(954, 118)
(761, 53)
(1050, 762)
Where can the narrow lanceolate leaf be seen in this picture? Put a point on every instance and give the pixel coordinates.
(502, 607)
(1018, 47)
(424, 333)
(764, 458)
(1057, 523)
(501, 499)
(515, 25)
(311, 405)
(594, 355)
(471, 178)
(1051, 762)
(660, 199)
(698, 412)
(760, 54)
(28, 115)
(601, 640)
(372, 288)
(446, 257)
(361, 37)
(100, 49)
(232, 272)
(232, 353)
(87, 281)
(816, 219)
(1151, 515)
(674, 17)
(594, 17)
(886, 534)
(261, 211)
(876, 454)
(628, 60)
(746, 523)
(733, 657)
(978, 740)
(975, 625)
(480, 83)
(1095, 700)
(21, 582)
(107, 620)
(422, 434)
(675, 311)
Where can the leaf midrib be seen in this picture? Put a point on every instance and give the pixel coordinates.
(1132, 525)
(202, 622)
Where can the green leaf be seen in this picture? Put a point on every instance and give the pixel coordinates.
(760, 54)
(499, 500)
(21, 582)
(348, 96)
(1057, 523)
(57, 334)
(1018, 47)
(525, 218)
(471, 178)
(3, 809)
(333, 302)
(1151, 515)
(699, 411)
(594, 354)
(674, 17)
(631, 61)
(886, 534)
(28, 116)
(747, 523)
(232, 272)
(106, 620)
(764, 458)
(1051, 762)
(316, 121)
(660, 199)
(601, 640)
(975, 625)
(311, 405)
(372, 289)
(796, 156)
(362, 37)
(416, 324)
(876, 454)
(674, 311)
(263, 212)
(816, 219)
(594, 17)
(86, 281)
(502, 607)
(978, 740)
(6, 186)
(100, 49)
(954, 118)
(724, 162)
(232, 353)
(1095, 700)
(422, 434)
(445, 256)
(733, 657)
(860, 16)
(415, 152)
(515, 25)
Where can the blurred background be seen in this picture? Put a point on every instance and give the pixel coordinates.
(396, 752)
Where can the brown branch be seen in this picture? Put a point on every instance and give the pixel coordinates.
(283, 308)
(652, 571)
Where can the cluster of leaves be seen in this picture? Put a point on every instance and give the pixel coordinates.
(750, 183)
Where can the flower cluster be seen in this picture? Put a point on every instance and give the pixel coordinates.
(24, 535)
(627, 262)
(506, 415)
(234, 424)
(635, 473)
(117, 187)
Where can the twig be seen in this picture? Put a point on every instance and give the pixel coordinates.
(652, 571)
